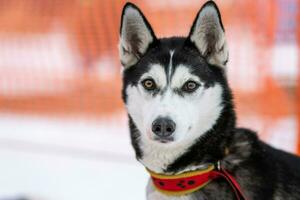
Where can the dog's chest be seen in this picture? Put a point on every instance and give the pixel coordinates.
(158, 196)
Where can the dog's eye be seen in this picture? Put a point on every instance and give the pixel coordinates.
(190, 86)
(149, 84)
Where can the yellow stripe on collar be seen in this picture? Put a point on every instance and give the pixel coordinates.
(182, 175)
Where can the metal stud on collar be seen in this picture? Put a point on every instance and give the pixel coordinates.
(218, 165)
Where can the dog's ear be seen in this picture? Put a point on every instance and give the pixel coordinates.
(136, 35)
(208, 35)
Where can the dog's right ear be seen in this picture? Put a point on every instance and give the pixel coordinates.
(136, 35)
(208, 35)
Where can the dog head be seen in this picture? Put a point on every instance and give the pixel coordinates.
(173, 88)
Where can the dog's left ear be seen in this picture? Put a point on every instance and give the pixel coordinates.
(136, 35)
(208, 35)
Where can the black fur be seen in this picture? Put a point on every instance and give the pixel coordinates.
(263, 172)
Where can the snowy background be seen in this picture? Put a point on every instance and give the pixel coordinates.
(67, 159)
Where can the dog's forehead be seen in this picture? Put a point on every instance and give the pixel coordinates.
(169, 61)
(163, 59)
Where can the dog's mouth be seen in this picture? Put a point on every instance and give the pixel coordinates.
(164, 139)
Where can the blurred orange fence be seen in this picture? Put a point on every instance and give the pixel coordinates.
(59, 57)
(298, 85)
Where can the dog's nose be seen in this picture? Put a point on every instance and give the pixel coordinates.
(163, 127)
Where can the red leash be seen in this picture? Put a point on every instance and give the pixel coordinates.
(220, 172)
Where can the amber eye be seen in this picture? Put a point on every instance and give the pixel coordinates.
(149, 84)
(190, 86)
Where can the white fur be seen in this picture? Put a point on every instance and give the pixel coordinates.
(208, 26)
(133, 25)
(194, 114)
(170, 64)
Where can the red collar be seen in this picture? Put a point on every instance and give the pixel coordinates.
(189, 182)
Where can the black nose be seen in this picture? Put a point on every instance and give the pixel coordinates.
(163, 127)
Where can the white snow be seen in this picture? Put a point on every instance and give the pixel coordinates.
(73, 159)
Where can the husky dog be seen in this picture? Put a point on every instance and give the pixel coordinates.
(181, 112)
